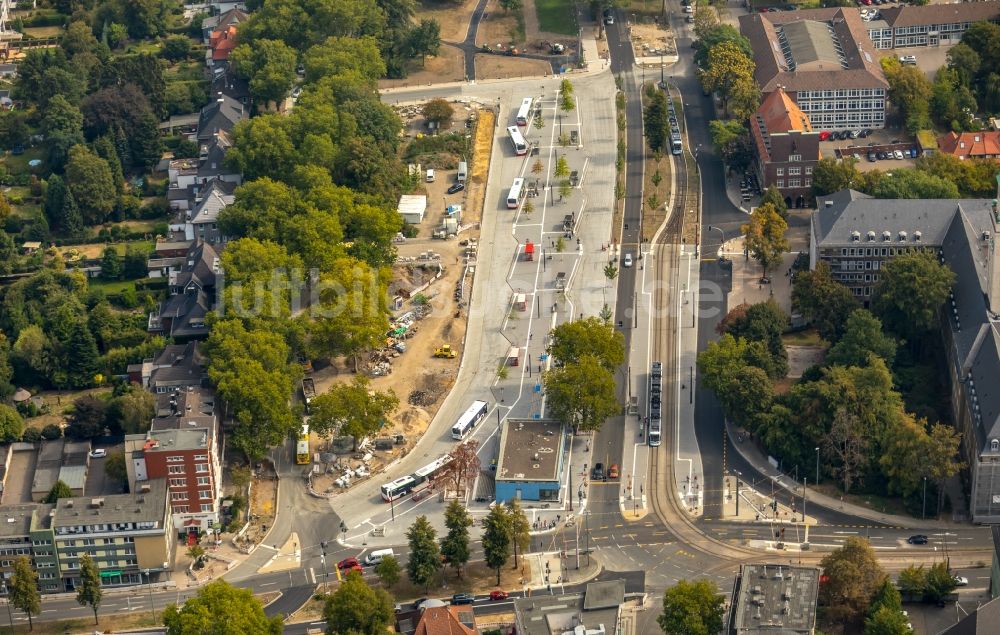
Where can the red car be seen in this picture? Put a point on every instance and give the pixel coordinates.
(498, 595)
(613, 471)
(823, 136)
(349, 563)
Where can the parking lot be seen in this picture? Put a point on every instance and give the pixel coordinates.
(877, 140)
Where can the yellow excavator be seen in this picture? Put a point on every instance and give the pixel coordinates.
(446, 352)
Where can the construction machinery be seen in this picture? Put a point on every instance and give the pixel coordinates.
(445, 351)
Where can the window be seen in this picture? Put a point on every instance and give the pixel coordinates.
(89, 542)
(175, 469)
(206, 508)
(205, 493)
(181, 509)
(781, 183)
(178, 482)
(794, 182)
(809, 169)
(178, 496)
(175, 459)
(794, 171)
(780, 171)
(204, 480)
(808, 181)
(201, 467)
(200, 457)
(794, 157)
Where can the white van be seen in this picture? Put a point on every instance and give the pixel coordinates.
(430, 175)
(463, 171)
(376, 556)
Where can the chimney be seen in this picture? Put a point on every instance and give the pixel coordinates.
(993, 261)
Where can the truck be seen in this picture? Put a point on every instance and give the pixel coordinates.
(308, 389)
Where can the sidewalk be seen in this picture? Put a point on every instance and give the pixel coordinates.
(746, 285)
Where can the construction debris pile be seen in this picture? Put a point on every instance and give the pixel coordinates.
(402, 328)
(420, 398)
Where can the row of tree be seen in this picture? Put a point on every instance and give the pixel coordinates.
(848, 407)
(938, 175)
(726, 65)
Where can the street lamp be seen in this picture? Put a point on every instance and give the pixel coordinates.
(149, 585)
(817, 465)
(923, 509)
(322, 557)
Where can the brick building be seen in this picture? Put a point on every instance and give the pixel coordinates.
(786, 148)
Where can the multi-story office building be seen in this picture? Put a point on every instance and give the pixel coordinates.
(857, 235)
(823, 60)
(930, 25)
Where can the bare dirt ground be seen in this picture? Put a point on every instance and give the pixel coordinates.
(498, 67)
(453, 18)
(448, 66)
(497, 27)
(649, 40)
(263, 499)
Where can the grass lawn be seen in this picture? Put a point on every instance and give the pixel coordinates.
(556, 16)
(110, 286)
(809, 337)
(18, 164)
(43, 31)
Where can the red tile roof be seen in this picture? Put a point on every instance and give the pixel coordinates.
(781, 114)
(222, 42)
(444, 620)
(971, 144)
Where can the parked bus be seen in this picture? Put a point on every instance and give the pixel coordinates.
(302, 446)
(524, 112)
(517, 140)
(655, 400)
(431, 470)
(468, 421)
(516, 194)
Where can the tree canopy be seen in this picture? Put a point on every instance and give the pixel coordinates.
(692, 608)
(356, 607)
(220, 609)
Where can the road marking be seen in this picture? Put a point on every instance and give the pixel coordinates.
(312, 575)
(267, 583)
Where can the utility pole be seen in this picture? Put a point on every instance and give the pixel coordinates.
(149, 585)
(805, 481)
(326, 575)
(923, 510)
(817, 465)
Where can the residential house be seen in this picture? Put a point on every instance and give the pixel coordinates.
(930, 25)
(202, 221)
(824, 61)
(192, 295)
(221, 43)
(856, 234)
(230, 16)
(226, 82)
(221, 115)
(984, 144)
(176, 366)
(447, 620)
(183, 446)
(786, 148)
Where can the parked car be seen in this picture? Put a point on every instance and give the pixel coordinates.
(961, 581)
(463, 598)
(908, 60)
(823, 136)
(597, 474)
(348, 563)
(498, 595)
(99, 453)
(898, 154)
(628, 260)
(456, 187)
(857, 157)
(913, 153)
(613, 471)
(918, 539)
(871, 157)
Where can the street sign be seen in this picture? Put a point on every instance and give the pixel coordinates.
(110, 574)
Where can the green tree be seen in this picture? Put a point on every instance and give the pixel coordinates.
(729, 72)
(570, 341)
(59, 490)
(89, 592)
(862, 337)
(760, 324)
(887, 621)
(853, 576)
(89, 179)
(913, 580)
(654, 122)
(176, 47)
(218, 609)
(356, 607)
(114, 467)
(388, 571)
(23, 590)
(438, 111)
(352, 409)
(269, 65)
(344, 55)
(62, 125)
(132, 411)
(83, 359)
(765, 236)
(111, 264)
(562, 167)
(831, 175)
(887, 596)
(497, 544)
(940, 582)
(425, 557)
(455, 545)
(520, 530)
(774, 197)
(134, 264)
(424, 39)
(965, 61)
(823, 302)
(11, 424)
(912, 288)
(692, 608)
(910, 91)
(581, 394)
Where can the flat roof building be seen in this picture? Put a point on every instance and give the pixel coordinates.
(596, 611)
(532, 457)
(771, 598)
(929, 25)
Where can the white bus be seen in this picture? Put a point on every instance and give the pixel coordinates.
(429, 471)
(516, 194)
(524, 112)
(398, 488)
(468, 421)
(517, 140)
